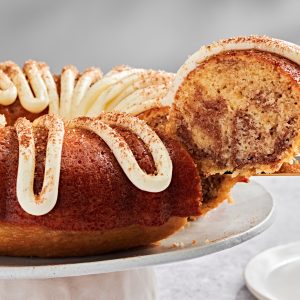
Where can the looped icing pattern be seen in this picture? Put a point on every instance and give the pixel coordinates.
(72, 100)
(123, 89)
(45, 201)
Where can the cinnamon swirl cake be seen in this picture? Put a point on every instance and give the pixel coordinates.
(236, 105)
(74, 185)
(89, 186)
(92, 163)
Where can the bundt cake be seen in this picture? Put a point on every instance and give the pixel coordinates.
(73, 185)
(71, 94)
(67, 192)
(92, 163)
(236, 105)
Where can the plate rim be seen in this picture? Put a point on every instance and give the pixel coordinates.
(263, 294)
(135, 262)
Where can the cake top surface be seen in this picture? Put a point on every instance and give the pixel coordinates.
(72, 94)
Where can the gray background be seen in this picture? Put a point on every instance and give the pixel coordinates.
(220, 276)
(150, 34)
(160, 35)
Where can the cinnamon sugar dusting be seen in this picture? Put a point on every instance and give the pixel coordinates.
(45, 201)
(72, 94)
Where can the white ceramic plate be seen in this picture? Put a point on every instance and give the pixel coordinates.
(224, 227)
(275, 274)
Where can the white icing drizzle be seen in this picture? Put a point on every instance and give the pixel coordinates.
(96, 92)
(72, 92)
(31, 79)
(8, 91)
(67, 83)
(36, 77)
(132, 84)
(262, 43)
(147, 182)
(123, 90)
(142, 100)
(2, 121)
(45, 201)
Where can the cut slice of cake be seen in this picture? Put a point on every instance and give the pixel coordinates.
(236, 105)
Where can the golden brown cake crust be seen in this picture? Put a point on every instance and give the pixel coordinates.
(16, 110)
(157, 117)
(94, 193)
(17, 240)
(293, 168)
(216, 189)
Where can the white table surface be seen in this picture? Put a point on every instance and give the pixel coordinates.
(220, 276)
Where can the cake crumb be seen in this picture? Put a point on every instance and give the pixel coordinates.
(178, 245)
(230, 200)
(188, 224)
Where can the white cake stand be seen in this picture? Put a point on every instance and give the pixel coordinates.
(230, 224)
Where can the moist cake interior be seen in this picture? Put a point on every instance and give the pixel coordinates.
(239, 111)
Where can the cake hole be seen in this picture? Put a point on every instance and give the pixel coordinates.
(272, 130)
